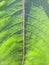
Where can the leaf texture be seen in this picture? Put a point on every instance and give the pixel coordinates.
(37, 32)
(33, 49)
(11, 32)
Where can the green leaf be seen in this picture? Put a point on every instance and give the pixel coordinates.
(11, 32)
(24, 32)
(37, 32)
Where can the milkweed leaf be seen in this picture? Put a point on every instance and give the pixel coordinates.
(11, 32)
(24, 32)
